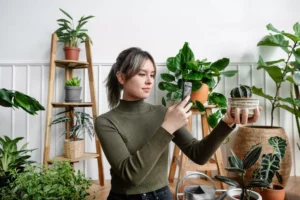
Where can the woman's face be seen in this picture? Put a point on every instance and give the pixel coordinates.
(139, 86)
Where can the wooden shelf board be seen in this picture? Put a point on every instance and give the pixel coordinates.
(86, 156)
(71, 64)
(71, 104)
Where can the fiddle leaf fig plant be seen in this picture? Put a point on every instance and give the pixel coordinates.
(184, 67)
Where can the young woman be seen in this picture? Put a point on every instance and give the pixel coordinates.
(135, 135)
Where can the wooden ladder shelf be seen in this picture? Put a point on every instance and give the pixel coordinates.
(69, 66)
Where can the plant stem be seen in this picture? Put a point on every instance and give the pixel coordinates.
(274, 102)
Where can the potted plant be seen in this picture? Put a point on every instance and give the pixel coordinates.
(203, 74)
(16, 99)
(12, 158)
(59, 181)
(241, 167)
(241, 97)
(269, 166)
(71, 35)
(74, 145)
(73, 90)
(280, 71)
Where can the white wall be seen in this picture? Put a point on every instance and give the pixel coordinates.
(214, 29)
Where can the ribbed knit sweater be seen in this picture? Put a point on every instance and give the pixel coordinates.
(136, 145)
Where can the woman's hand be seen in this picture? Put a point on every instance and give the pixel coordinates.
(244, 117)
(177, 115)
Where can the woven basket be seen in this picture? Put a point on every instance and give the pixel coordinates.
(241, 103)
(74, 149)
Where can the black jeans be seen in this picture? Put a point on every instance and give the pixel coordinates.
(160, 194)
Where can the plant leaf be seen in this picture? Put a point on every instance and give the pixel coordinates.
(296, 28)
(218, 99)
(259, 92)
(66, 13)
(258, 183)
(279, 146)
(220, 64)
(229, 73)
(167, 77)
(252, 156)
(270, 164)
(274, 40)
(227, 180)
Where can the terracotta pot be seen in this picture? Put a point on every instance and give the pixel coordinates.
(247, 136)
(201, 94)
(71, 53)
(74, 149)
(277, 193)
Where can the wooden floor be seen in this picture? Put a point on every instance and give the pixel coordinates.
(292, 189)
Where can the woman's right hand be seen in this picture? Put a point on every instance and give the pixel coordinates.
(177, 116)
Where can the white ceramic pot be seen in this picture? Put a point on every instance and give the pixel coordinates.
(236, 192)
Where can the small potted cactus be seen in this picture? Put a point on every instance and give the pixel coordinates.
(241, 97)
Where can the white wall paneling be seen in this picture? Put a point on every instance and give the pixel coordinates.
(32, 79)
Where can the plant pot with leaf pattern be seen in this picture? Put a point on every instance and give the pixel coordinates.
(71, 36)
(74, 144)
(73, 90)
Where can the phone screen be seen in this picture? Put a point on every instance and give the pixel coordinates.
(186, 89)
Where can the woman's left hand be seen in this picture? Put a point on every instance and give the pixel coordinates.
(244, 117)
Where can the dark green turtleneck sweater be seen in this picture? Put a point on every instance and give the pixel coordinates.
(136, 146)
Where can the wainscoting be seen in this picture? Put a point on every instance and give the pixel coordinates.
(32, 79)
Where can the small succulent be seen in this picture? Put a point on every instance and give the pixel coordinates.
(243, 91)
(75, 81)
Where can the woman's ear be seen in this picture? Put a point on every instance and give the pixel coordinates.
(120, 77)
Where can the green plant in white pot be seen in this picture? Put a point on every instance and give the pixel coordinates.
(73, 90)
(74, 146)
(71, 35)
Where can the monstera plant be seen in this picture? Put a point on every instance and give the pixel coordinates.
(282, 70)
(16, 99)
(184, 67)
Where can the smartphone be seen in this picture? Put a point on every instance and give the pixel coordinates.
(186, 89)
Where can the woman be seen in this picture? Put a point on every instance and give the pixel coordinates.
(135, 135)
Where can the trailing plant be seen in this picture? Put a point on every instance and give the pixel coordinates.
(16, 99)
(74, 81)
(59, 181)
(68, 33)
(270, 164)
(184, 67)
(282, 70)
(240, 167)
(83, 124)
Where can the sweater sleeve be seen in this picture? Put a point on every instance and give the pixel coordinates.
(200, 151)
(132, 168)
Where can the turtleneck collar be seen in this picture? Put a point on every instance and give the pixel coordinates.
(132, 106)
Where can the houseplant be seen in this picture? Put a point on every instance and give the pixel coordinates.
(203, 74)
(71, 35)
(16, 99)
(74, 145)
(59, 181)
(269, 166)
(73, 90)
(12, 158)
(241, 97)
(241, 167)
(280, 71)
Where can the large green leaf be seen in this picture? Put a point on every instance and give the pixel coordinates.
(274, 40)
(259, 92)
(167, 77)
(229, 73)
(291, 79)
(192, 66)
(275, 73)
(187, 53)
(196, 85)
(272, 28)
(235, 169)
(270, 164)
(290, 101)
(217, 99)
(234, 161)
(258, 183)
(6, 98)
(200, 106)
(221, 64)
(288, 108)
(279, 146)
(193, 76)
(227, 180)
(173, 63)
(214, 118)
(293, 37)
(67, 14)
(297, 55)
(252, 156)
(168, 86)
(275, 62)
(296, 28)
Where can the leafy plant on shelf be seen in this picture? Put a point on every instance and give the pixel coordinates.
(83, 124)
(68, 33)
(16, 99)
(282, 70)
(184, 67)
(75, 81)
(240, 167)
(59, 181)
